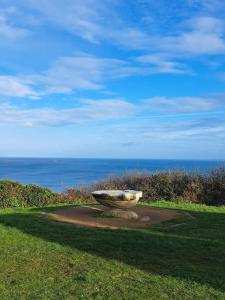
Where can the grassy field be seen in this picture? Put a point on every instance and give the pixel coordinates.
(179, 259)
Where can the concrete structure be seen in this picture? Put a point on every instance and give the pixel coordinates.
(119, 202)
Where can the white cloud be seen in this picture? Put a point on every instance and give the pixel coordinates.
(91, 20)
(172, 129)
(182, 104)
(11, 86)
(88, 19)
(160, 63)
(83, 72)
(107, 21)
(190, 35)
(164, 133)
(88, 111)
(9, 31)
(68, 74)
(129, 38)
(205, 36)
(98, 21)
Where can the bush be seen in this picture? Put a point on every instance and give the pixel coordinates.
(14, 194)
(35, 195)
(72, 195)
(173, 186)
(10, 202)
(214, 187)
(11, 194)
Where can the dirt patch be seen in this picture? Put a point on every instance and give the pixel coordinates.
(90, 216)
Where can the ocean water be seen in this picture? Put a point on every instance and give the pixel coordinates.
(59, 174)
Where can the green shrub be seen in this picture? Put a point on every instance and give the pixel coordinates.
(11, 194)
(11, 202)
(173, 186)
(38, 196)
(14, 194)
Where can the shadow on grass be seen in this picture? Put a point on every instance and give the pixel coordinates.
(193, 251)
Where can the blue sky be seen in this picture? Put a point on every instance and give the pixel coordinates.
(129, 79)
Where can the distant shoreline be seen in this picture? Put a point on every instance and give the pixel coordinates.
(111, 158)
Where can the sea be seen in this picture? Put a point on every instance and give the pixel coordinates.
(59, 174)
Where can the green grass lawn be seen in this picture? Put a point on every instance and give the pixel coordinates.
(179, 259)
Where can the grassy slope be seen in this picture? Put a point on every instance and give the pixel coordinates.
(44, 260)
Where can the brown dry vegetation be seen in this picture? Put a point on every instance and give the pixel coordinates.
(171, 186)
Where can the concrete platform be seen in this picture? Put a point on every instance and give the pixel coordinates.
(91, 216)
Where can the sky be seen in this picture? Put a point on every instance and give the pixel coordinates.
(112, 78)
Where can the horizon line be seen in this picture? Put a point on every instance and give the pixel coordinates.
(111, 158)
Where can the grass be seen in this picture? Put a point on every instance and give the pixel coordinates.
(179, 259)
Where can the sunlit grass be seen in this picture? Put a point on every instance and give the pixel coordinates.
(179, 259)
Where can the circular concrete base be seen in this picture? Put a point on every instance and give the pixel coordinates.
(96, 216)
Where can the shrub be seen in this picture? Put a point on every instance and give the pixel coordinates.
(38, 196)
(173, 186)
(73, 195)
(11, 194)
(214, 187)
(156, 186)
(14, 194)
(10, 202)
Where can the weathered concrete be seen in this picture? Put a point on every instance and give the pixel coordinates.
(120, 213)
(123, 199)
(93, 216)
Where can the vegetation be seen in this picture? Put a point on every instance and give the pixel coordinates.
(171, 186)
(14, 194)
(180, 259)
(74, 195)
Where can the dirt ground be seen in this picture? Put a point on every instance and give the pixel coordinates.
(90, 216)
